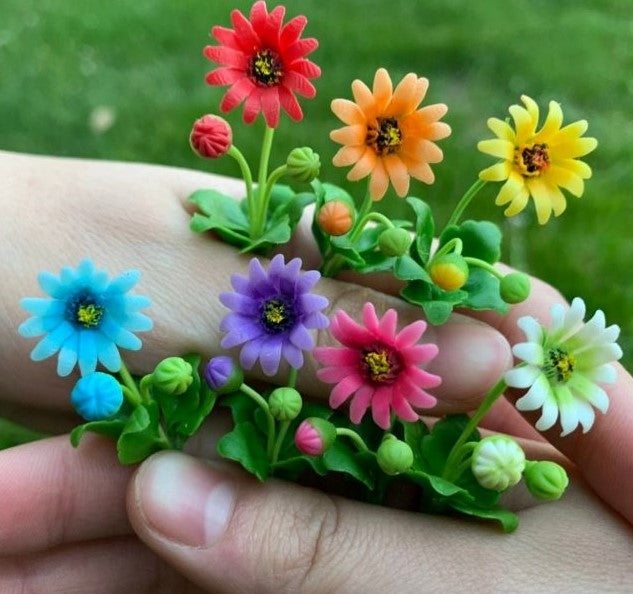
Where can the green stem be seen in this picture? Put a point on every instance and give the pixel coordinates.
(259, 223)
(485, 265)
(292, 377)
(128, 381)
(283, 429)
(374, 216)
(357, 439)
(484, 407)
(248, 179)
(13, 434)
(131, 397)
(270, 421)
(360, 221)
(462, 461)
(454, 245)
(465, 201)
(273, 178)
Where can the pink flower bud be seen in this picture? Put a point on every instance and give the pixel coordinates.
(314, 436)
(211, 136)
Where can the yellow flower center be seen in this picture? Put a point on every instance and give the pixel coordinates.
(380, 364)
(559, 365)
(277, 316)
(385, 137)
(89, 315)
(266, 68)
(532, 159)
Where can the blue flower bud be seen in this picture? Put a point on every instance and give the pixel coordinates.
(97, 396)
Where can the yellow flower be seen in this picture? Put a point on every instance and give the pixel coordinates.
(537, 163)
(386, 136)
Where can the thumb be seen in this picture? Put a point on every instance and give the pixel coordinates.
(229, 533)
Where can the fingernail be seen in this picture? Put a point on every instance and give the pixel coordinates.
(472, 358)
(184, 499)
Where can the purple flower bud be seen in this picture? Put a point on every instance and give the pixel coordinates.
(223, 375)
(314, 436)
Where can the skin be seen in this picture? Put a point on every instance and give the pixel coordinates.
(69, 516)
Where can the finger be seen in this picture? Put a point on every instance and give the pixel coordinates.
(108, 566)
(53, 494)
(603, 454)
(276, 537)
(184, 273)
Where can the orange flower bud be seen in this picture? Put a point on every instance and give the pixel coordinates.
(335, 217)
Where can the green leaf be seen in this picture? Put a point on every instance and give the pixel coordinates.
(436, 303)
(109, 427)
(483, 291)
(437, 445)
(246, 444)
(220, 212)
(509, 521)
(291, 469)
(342, 245)
(141, 435)
(184, 413)
(284, 201)
(481, 239)
(341, 458)
(376, 262)
(242, 407)
(424, 228)
(406, 268)
(413, 435)
(278, 233)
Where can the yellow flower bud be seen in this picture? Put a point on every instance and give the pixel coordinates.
(449, 271)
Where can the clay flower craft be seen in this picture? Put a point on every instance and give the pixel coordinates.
(386, 136)
(264, 63)
(563, 365)
(377, 367)
(272, 313)
(537, 163)
(211, 136)
(87, 318)
(97, 396)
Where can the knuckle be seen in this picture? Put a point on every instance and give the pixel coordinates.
(297, 546)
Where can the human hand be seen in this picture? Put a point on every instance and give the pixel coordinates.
(66, 508)
(228, 533)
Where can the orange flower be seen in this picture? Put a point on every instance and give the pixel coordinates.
(386, 136)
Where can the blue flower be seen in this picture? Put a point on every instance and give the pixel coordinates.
(87, 318)
(273, 312)
(97, 396)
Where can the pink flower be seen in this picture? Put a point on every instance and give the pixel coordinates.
(211, 136)
(264, 63)
(377, 367)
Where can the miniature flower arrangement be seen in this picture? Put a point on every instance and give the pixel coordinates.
(372, 433)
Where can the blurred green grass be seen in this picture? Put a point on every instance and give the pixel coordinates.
(124, 80)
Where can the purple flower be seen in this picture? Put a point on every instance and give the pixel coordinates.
(273, 312)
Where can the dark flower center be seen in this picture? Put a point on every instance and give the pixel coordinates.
(277, 316)
(559, 365)
(84, 312)
(532, 159)
(266, 68)
(380, 364)
(385, 137)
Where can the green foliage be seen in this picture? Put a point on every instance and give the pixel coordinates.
(162, 421)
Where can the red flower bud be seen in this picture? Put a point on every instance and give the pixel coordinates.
(211, 136)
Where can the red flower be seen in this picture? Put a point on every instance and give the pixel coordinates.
(211, 136)
(264, 63)
(377, 367)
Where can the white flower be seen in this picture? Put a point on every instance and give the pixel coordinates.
(498, 462)
(563, 365)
